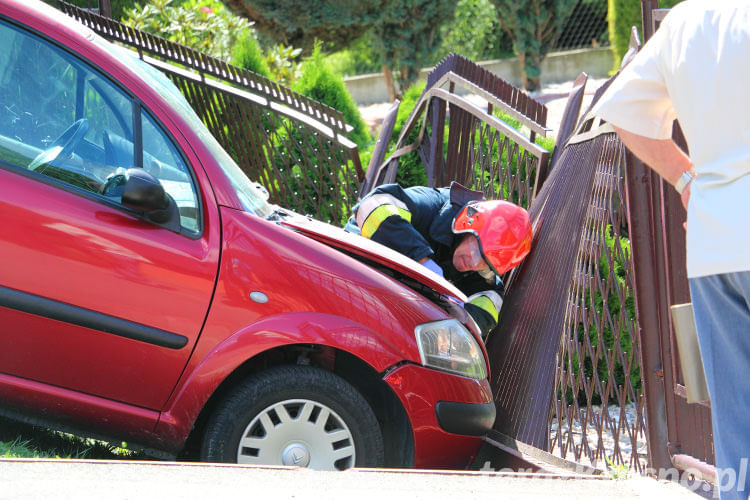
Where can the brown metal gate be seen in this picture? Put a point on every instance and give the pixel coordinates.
(661, 434)
(679, 433)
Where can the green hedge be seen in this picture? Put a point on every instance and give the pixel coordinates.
(622, 16)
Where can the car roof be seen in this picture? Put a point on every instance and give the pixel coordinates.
(28, 10)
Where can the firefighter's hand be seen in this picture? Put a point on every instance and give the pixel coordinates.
(432, 266)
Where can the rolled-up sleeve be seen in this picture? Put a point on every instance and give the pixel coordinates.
(638, 99)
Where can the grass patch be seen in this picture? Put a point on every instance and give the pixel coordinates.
(19, 440)
(617, 472)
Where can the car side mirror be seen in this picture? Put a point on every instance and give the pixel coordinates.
(144, 193)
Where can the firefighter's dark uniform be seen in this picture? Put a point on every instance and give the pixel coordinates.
(418, 224)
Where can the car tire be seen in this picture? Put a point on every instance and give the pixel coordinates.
(294, 415)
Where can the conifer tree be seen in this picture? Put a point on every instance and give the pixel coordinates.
(534, 26)
(299, 23)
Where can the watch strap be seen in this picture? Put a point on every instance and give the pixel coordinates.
(685, 179)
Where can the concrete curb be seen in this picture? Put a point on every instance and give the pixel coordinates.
(42, 478)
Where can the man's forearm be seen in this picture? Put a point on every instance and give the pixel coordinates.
(662, 155)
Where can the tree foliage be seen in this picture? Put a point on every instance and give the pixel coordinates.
(533, 25)
(405, 32)
(411, 34)
(300, 22)
(117, 7)
(471, 31)
(319, 82)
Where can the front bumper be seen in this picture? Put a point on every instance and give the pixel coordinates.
(448, 414)
(471, 419)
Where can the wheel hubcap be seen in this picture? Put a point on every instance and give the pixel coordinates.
(296, 454)
(298, 432)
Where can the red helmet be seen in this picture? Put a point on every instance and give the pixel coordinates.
(502, 229)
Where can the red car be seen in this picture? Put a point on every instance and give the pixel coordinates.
(150, 293)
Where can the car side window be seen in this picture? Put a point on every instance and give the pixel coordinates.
(62, 119)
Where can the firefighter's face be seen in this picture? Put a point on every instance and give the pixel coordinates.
(467, 256)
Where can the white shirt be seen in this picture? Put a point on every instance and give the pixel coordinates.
(696, 68)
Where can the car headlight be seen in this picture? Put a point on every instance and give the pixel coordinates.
(448, 346)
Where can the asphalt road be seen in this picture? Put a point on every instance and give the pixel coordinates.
(62, 479)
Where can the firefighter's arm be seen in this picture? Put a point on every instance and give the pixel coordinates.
(387, 220)
(484, 308)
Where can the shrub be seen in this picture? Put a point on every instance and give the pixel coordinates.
(247, 54)
(119, 7)
(319, 82)
(622, 16)
(204, 25)
(283, 64)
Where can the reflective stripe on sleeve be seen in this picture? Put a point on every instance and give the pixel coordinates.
(485, 303)
(376, 208)
(381, 213)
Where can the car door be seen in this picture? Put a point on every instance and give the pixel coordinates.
(93, 297)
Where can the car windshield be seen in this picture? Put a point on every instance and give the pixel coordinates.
(252, 195)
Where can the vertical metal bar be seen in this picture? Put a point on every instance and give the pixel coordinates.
(137, 134)
(647, 7)
(105, 9)
(437, 161)
(642, 199)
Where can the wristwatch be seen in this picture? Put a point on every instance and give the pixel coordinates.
(685, 179)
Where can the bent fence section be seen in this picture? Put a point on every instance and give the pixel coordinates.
(566, 357)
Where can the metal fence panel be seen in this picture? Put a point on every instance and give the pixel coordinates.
(566, 358)
(585, 26)
(598, 411)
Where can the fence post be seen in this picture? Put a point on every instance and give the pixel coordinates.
(105, 8)
(643, 202)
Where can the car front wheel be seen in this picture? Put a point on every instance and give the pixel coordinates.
(294, 415)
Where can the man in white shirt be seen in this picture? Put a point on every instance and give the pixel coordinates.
(696, 68)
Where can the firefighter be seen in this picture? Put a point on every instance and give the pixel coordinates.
(455, 233)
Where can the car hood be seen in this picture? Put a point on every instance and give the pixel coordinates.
(355, 244)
